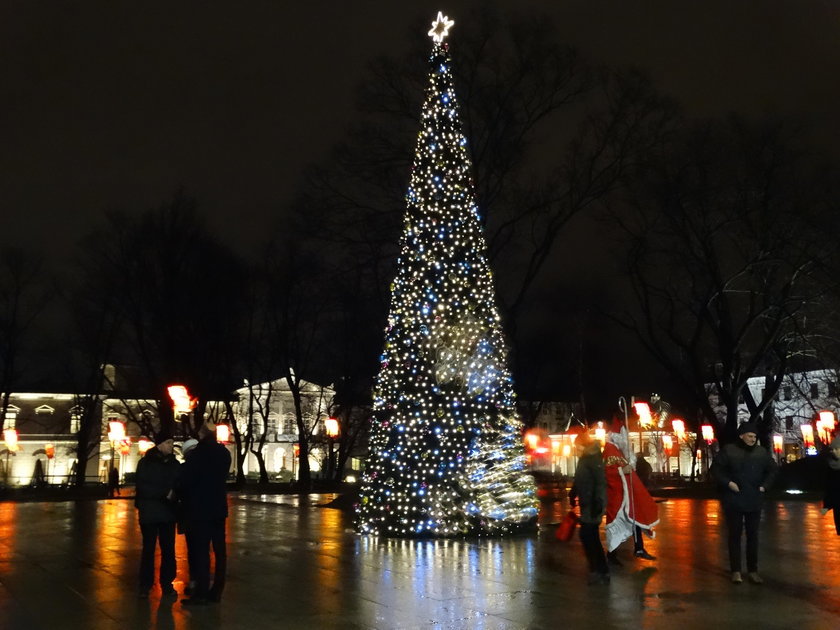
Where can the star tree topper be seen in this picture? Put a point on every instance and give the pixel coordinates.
(440, 27)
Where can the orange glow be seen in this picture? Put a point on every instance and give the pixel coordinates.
(125, 447)
(679, 428)
(296, 449)
(601, 435)
(778, 443)
(144, 445)
(807, 435)
(331, 427)
(531, 440)
(182, 402)
(567, 450)
(708, 433)
(222, 433)
(116, 430)
(10, 437)
(667, 442)
(643, 411)
(49, 449)
(826, 425)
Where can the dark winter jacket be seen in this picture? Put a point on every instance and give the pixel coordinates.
(750, 468)
(590, 486)
(202, 485)
(156, 477)
(831, 497)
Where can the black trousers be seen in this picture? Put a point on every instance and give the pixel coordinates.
(202, 535)
(738, 521)
(164, 535)
(836, 513)
(591, 541)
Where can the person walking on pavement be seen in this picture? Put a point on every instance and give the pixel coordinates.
(631, 511)
(113, 482)
(589, 491)
(831, 496)
(204, 491)
(744, 470)
(155, 478)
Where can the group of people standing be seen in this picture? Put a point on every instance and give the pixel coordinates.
(607, 483)
(192, 499)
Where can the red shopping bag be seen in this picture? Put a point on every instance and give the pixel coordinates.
(566, 529)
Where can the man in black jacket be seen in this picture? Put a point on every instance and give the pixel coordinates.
(156, 475)
(744, 470)
(203, 488)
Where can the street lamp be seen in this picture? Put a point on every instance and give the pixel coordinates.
(807, 437)
(182, 402)
(678, 426)
(331, 428)
(116, 433)
(10, 437)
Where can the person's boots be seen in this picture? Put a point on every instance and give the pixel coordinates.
(612, 558)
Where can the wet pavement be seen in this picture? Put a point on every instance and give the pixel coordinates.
(293, 564)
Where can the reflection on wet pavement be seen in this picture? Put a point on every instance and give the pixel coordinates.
(294, 564)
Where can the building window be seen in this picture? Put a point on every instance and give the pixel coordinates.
(787, 393)
(75, 419)
(289, 424)
(788, 423)
(11, 417)
(832, 389)
(815, 390)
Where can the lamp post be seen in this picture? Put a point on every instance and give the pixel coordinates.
(10, 438)
(331, 428)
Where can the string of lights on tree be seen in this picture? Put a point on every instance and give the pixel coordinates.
(446, 453)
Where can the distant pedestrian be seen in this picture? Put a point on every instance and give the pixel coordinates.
(156, 475)
(589, 491)
(831, 496)
(744, 470)
(203, 487)
(113, 482)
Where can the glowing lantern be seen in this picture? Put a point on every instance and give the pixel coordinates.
(222, 433)
(708, 433)
(532, 440)
(826, 425)
(144, 445)
(679, 428)
(807, 435)
(116, 430)
(10, 437)
(601, 434)
(567, 450)
(778, 443)
(125, 447)
(331, 427)
(296, 449)
(49, 450)
(668, 443)
(182, 402)
(643, 411)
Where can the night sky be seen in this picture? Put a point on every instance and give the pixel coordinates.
(116, 105)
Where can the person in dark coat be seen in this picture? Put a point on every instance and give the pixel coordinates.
(589, 491)
(203, 488)
(155, 478)
(831, 497)
(744, 470)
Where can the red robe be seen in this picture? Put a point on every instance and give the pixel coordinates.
(628, 501)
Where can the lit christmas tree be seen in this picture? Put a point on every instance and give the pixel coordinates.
(446, 453)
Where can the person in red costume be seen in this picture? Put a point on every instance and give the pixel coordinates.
(631, 511)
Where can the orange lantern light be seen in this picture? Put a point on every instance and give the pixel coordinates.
(668, 443)
(708, 433)
(222, 433)
(116, 430)
(829, 422)
(144, 445)
(532, 440)
(10, 437)
(643, 411)
(778, 443)
(182, 402)
(567, 450)
(331, 427)
(125, 447)
(296, 449)
(601, 434)
(49, 449)
(807, 435)
(679, 428)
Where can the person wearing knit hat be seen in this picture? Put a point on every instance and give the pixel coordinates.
(831, 496)
(744, 470)
(155, 479)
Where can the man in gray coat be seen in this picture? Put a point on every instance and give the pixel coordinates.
(744, 470)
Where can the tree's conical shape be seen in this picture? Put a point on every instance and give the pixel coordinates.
(446, 453)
